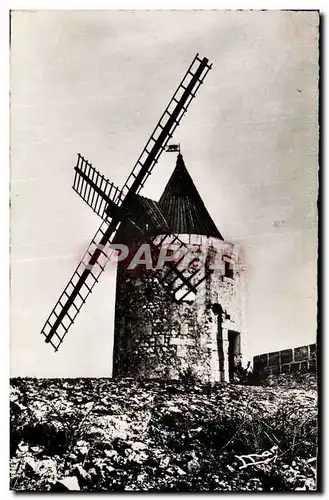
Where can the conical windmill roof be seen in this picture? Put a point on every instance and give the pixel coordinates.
(183, 207)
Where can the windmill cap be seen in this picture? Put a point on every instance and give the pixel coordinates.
(183, 207)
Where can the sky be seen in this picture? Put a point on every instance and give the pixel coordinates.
(96, 83)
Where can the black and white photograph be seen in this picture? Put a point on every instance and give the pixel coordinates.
(164, 180)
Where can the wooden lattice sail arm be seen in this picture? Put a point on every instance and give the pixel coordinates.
(184, 275)
(167, 124)
(80, 286)
(179, 281)
(97, 191)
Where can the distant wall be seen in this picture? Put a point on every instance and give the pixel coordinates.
(289, 360)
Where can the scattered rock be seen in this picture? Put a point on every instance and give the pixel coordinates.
(22, 447)
(30, 465)
(180, 471)
(164, 462)
(143, 436)
(82, 448)
(193, 465)
(92, 472)
(69, 483)
(81, 472)
(137, 445)
(111, 454)
(37, 449)
(47, 469)
(109, 468)
(82, 443)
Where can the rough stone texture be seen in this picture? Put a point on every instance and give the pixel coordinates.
(156, 337)
(289, 360)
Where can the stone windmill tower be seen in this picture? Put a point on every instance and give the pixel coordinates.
(156, 336)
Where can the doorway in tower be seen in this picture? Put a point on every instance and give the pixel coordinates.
(234, 352)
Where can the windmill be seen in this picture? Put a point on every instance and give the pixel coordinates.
(113, 206)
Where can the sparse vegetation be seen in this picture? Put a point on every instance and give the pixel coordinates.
(106, 435)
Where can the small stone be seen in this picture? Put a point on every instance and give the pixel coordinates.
(88, 406)
(22, 447)
(30, 464)
(111, 453)
(139, 457)
(81, 443)
(69, 483)
(109, 468)
(180, 471)
(81, 472)
(92, 431)
(82, 448)
(174, 409)
(136, 446)
(37, 449)
(193, 465)
(47, 469)
(165, 462)
(16, 405)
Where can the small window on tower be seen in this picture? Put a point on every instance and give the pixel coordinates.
(228, 268)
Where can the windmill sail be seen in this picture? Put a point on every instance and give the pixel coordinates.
(181, 283)
(167, 124)
(97, 191)
(89, 269)
(79, 287)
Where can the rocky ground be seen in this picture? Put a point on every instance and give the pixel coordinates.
(106, 435)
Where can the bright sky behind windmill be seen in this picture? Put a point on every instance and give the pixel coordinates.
(97, 83)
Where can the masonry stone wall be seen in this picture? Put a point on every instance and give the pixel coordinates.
(289, 360)
(156, 337)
